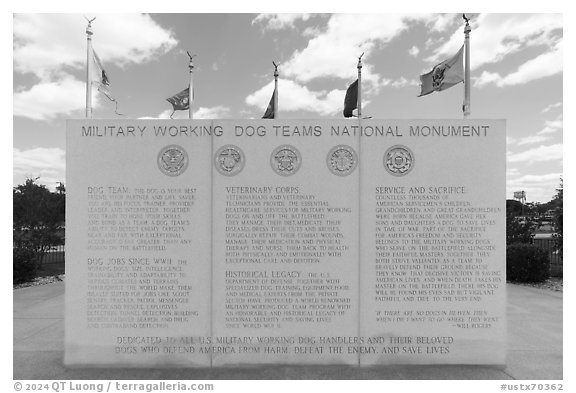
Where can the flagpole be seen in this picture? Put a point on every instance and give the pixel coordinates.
(466, 106)
(275, 90)
(359, 66)
(89, 62)
(191, 87)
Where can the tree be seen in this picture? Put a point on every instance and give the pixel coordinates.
(60, 188)
(38, 217)
(513, 207)
(559, 208)
(559, 215)
(517, 231)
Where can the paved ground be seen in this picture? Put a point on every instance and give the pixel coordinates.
(534, 347)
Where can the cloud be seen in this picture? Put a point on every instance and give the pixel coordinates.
(496, 36)
(346, 36)
(487, 78)
(546, 64)
(49, 43)
(538, 154)
(553, 126)
(403, 82)
(311, 31)
(47, 100)
(295, 97)
(530, 140)
(166, 115)
(279, 21)
(442, 22)
(535, 179)
(45, 47)
(551, 107)
(414, 51)
(540, 188)
(47, 163)
(431, 42)
(511, 171)
(216, 112)
(510, 140)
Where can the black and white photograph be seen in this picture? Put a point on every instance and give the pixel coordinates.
(229, 199)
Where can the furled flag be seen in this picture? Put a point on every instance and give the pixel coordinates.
(270, 110)
(443, 75)
(351, 99)
(100, 79)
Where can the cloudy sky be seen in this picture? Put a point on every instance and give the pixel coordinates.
(516, 71)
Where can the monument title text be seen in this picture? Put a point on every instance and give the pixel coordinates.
(287, 130)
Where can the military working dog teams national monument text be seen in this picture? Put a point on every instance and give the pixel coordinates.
(206, 243)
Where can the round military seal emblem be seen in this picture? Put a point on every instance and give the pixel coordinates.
(229, 160)
(398, 160)
(172, 160)
(342, 160)
(285, 160)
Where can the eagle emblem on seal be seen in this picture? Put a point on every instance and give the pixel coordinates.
(438, 75)
(172, 160)
(285, 160)
(342, 160)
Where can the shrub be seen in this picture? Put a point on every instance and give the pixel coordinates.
(516, 231)
(526, 263)
(23, 265)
